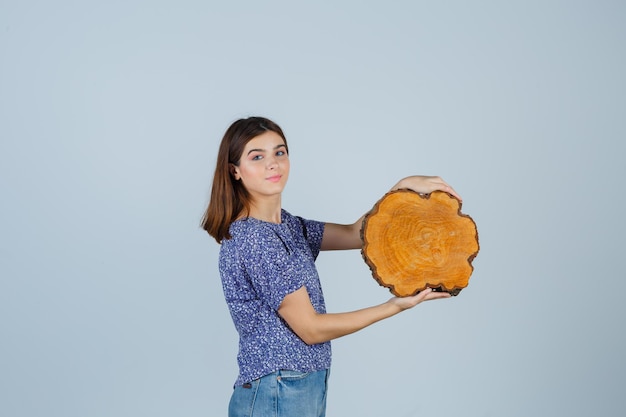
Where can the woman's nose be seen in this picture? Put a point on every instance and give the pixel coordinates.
(272, 162)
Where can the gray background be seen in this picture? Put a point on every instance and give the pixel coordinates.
(110, 118)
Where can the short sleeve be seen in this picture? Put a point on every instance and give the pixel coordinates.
(271, 264)
(313, 233)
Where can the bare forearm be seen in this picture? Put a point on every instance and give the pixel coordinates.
(325, 327)
(312, 327)
(342, 236)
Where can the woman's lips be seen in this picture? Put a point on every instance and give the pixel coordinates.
(274, 178)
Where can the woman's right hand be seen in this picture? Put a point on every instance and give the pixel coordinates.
(405, 303)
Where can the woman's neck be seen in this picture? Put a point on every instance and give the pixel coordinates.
(266, 210)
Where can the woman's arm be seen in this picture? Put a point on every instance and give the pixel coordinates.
(348, 236)
(312, 327)
(342, 236)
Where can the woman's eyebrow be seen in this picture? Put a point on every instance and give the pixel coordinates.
(282, 145)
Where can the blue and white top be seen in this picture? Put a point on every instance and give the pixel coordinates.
(259, 266)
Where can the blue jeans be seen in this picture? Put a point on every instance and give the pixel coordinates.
(282, 394)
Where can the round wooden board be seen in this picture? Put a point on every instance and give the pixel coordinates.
(415, 241)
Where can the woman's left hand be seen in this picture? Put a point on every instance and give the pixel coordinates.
(425, 185)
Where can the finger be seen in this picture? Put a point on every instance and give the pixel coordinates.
(453, 192)
(437, 295)
(444, 186)
(424, 294)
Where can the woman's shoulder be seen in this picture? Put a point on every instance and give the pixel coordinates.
(250, 231)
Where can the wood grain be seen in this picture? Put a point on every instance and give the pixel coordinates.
(415, 241)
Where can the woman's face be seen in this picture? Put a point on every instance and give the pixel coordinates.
(264, 165)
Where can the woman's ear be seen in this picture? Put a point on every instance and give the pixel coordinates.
(234, 171)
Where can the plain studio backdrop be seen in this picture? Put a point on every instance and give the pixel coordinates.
(110, 118)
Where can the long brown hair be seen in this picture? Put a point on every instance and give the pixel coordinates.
(229, 198)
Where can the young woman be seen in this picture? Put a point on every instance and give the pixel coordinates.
(267, 265)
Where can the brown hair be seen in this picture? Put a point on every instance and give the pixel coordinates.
(229, 198)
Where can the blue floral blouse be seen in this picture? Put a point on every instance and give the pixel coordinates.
(259, 266)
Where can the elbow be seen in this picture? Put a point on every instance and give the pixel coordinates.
(311, 339)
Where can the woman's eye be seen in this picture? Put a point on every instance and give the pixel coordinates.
(257, 157)
(281, 153)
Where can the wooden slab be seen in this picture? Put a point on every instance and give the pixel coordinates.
(415, 241)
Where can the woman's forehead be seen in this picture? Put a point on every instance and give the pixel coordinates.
(265, 141)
